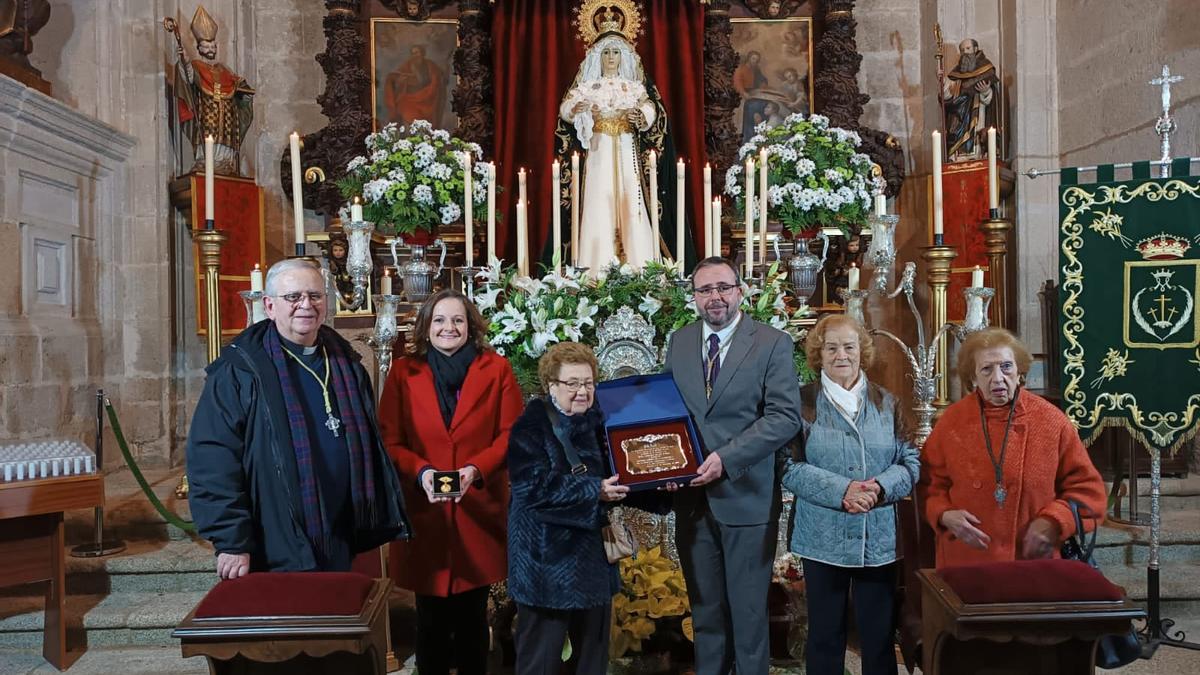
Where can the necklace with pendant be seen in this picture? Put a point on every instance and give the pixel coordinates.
(331, 423)
(1000, 494)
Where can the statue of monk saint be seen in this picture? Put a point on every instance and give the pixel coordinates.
(212, 99)
(617, 117)
(970, 96)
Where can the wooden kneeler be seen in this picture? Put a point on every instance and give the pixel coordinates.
(1028, 617)
(278, 622)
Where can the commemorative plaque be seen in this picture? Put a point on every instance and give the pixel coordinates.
(651, 437)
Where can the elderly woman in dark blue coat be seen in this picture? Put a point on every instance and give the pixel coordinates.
(558, 572)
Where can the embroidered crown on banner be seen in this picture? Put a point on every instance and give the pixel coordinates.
(1163, 247)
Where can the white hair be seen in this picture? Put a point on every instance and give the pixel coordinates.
(282, 267)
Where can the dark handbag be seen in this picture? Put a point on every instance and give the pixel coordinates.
(619, 540)
(1112, 651)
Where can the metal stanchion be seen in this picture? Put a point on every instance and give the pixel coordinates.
(99, 546)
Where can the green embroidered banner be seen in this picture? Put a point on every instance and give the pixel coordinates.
(1129, 255)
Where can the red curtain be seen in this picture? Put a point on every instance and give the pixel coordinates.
(536, 54)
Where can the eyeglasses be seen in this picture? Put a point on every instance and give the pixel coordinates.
(574, 385)
(314, 297)
(723, 289)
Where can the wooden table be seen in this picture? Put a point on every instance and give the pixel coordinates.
(1044, 638)
(32, 547)
(247, 645)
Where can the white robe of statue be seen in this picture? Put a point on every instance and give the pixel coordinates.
(608, 106)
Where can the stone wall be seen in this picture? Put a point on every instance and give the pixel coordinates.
(111, 61)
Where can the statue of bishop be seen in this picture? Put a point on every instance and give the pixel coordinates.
(212, 99)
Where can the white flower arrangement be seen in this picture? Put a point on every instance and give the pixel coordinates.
(412, 179)
(526, 315)
(817, 176)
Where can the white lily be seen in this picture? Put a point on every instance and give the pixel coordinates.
(491, 273)
(560, 281)
(543, 332)
(528, 285)
(650, 305)
(585, 311)
(486, 300)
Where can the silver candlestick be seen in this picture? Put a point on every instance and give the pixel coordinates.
(252, 300)
(358, 260)
(384, 336)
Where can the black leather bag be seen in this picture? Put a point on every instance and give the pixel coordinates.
(1112, 651)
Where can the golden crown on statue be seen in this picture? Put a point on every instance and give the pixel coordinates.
(597, 18)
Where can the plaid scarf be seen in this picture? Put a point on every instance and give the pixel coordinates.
(359, 437)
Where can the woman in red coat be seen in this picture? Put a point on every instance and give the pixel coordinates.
(1004, 495)
(449, 407)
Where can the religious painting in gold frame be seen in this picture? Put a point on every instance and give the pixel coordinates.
(774, 77)
(412, 71)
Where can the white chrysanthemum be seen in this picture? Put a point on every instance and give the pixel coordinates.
(441, 135)
(733, 188)
(379, 155)
(397, 174)
(423, 194)
(420, 126)
(805, 167)
(794, 118)
(833, 176)
(819, 121)
(758, 139)
(438, 171)
(746, 150)
(451, 213)
(356, 164)
(425, 154)
(775, 195)
(374, 190)
(403, 145)
(475, 149)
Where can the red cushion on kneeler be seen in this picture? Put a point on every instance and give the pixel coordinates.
(287, 594)
(1029, 581)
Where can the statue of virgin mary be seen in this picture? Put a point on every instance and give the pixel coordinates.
(613, 116)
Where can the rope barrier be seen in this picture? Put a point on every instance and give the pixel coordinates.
(163, 511)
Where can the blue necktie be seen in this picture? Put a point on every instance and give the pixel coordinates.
(712, 365)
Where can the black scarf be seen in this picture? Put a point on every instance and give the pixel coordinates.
(449, 373)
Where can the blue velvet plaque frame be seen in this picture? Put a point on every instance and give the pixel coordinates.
(647, 402)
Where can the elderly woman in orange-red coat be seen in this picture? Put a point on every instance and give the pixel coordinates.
(449, 407)
(1002, 465)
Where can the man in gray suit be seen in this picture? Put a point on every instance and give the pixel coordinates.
(739, 381)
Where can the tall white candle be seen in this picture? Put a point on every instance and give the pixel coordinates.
(209, 179)
(680, 223)
(708, 197)
(575, 208)
(356, 210)
(763, 204)
(468, 210)
(522, 260)
(654, 227)
(491, 208)
(977, 277)
(750, 203)
(556, 213)
(257, 309)
(993, 180)
(385, 283)
(852, 277)
(937, 183)
(880, 205)
(297, 189)
(521, 196)
(714, 234)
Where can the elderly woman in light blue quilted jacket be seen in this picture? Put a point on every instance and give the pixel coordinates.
(851, 464)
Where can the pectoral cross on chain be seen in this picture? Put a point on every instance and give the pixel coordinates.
(1165, 126)
(333, 424)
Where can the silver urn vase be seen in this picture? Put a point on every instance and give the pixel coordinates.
(418, 273)
(804, 268)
